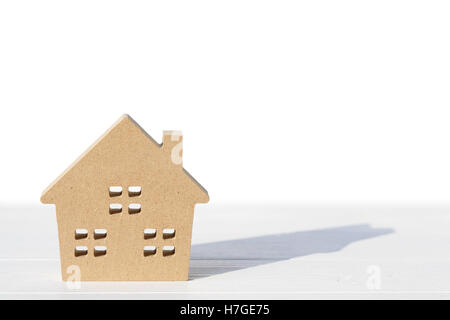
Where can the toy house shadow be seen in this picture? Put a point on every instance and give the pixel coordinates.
(224, 256)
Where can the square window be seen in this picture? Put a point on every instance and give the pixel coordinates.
(115, 191)
(134, 191)
(168, 250)
(168, 233)
(134, 208)
(81, 251)
(115, 208)
(149, 251)
(99, 251)
(149, 233)
(81, 234)
(100, 233)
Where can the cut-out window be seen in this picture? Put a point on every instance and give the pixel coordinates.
(168, 250)
(115, 208)
(134, 191)
(81, 251)
(168, 233)
(100, 233)
(99, 251)
(149, 233)
(149, 250)
(115, 191)
(134, 208)
(81, 234)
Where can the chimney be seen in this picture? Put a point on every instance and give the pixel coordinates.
(173, 145)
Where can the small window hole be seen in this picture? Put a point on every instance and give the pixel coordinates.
(134, 208)
(100, 233)
(134, 191)
(81, 234)
(115, 191)
(81, 251)
(168, 250)
(149, 233)
(149, 251)
(168, 233)
(115, 208)
(99, 251)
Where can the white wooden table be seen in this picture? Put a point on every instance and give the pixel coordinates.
(256, 251)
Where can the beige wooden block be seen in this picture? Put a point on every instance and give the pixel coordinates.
(125, 208)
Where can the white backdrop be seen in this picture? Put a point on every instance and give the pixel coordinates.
(279, 101)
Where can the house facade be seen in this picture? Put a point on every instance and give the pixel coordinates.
(125, 208)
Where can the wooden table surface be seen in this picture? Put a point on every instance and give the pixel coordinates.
(257, 251)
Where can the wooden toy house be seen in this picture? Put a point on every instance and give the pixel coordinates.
(125, 208)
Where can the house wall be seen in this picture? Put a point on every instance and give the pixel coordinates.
(125, 241)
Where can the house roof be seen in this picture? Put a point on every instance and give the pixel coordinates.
(124, 127)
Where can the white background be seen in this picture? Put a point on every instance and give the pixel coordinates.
(279, 101)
